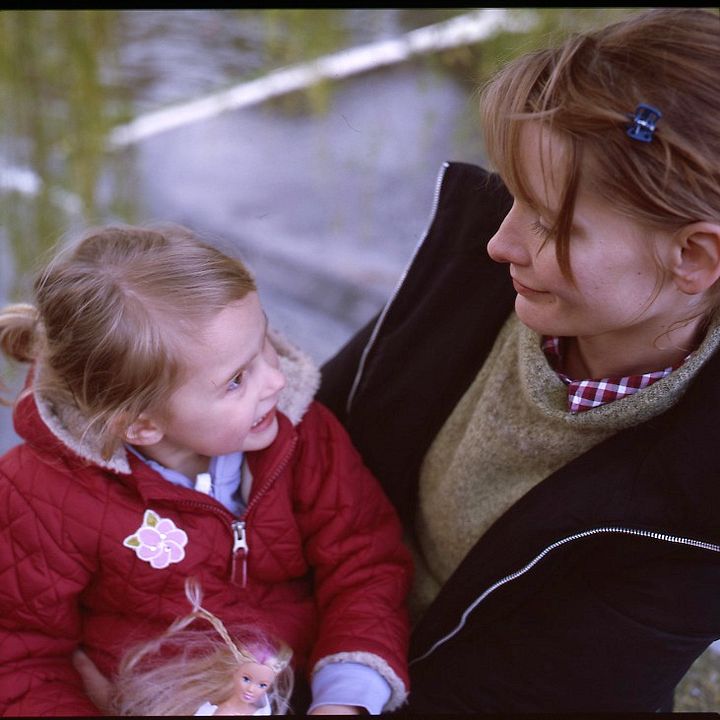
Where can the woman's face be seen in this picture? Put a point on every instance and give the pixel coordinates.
(619, 295)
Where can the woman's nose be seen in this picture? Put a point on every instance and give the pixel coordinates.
(510, 244)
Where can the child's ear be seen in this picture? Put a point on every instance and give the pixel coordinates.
(696, 257)
(143, 431)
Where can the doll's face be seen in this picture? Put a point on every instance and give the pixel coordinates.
(253, 680)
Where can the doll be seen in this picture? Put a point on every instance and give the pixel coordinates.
(189, 672)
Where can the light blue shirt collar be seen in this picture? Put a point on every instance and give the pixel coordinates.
(225, 473)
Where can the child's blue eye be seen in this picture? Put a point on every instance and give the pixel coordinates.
(236, 382)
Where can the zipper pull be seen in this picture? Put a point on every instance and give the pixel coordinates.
(240, 549)
(239, 538)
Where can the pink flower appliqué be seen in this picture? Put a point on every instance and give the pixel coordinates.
(157, 541)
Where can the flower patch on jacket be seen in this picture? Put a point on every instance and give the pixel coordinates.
(157, 541)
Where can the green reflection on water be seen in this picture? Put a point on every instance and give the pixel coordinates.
(65, 83)
(298, 35)
(56, 115)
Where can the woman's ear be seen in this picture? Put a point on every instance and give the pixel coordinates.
(143, 431)
(696, 257)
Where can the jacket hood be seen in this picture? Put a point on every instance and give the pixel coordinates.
(68, 425)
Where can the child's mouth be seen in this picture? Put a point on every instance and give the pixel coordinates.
(264, 420)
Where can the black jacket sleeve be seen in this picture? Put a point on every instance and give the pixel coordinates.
(611, 626)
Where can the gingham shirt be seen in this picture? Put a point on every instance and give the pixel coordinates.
(587, 394)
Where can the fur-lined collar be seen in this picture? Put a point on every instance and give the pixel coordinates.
(302, 378)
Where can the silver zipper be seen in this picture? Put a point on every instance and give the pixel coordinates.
(240, 543)
(578, 536)
(239, 537)
(399, 284)
(239, 527)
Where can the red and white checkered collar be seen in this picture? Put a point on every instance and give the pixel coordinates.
(587, 394)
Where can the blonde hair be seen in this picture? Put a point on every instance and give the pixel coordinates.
(175, 673)
(587, 89)
(111, 314)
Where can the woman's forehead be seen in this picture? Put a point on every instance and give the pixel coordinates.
(539, 168)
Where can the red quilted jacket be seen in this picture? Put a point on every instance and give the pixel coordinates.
(325, 567)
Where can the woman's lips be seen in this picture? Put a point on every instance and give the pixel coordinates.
(524, 290)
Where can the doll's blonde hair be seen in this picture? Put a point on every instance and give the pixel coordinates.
(112, 313)
(175, 673)
(587, 89)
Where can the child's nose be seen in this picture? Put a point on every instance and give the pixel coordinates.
(274, 378)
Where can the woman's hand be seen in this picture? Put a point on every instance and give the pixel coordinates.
(97, 686)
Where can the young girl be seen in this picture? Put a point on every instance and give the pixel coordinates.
(169, 433)
(551, 439)
(246, 674)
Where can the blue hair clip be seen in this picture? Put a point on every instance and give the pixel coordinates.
(644, 122)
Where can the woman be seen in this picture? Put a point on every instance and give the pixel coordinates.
(549, 437)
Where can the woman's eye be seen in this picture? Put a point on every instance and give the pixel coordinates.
(541, 230)
(236, 382)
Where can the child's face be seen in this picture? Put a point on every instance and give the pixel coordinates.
(253, 682)
(619, 290)
(229, 401)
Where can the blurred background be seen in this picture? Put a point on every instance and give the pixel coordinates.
(307, 142)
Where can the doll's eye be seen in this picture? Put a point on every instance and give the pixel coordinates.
(245, 678)
(263, 686)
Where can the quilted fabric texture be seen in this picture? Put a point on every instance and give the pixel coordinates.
(83, 562)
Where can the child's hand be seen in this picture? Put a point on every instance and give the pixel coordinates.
(97, 686)
(336, 710)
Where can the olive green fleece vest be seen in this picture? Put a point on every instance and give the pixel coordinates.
(509, 431)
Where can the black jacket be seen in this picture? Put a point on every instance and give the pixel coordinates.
(598, 589)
